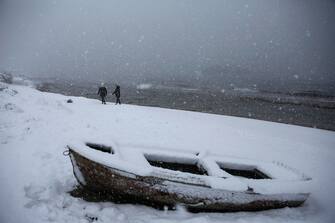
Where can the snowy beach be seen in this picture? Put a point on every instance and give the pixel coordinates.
(226, 111)
(35, 128)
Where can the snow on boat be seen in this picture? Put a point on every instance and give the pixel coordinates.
(198, 181)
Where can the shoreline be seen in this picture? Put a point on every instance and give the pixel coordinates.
(303, 113)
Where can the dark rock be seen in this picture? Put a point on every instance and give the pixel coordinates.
(91, 218)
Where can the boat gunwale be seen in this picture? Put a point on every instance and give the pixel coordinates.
(165, 175)
(195, 179)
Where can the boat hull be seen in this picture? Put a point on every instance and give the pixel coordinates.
(117, 185)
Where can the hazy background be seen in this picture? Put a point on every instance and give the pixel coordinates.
(270, 44)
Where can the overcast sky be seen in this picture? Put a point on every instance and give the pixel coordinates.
(154, 38)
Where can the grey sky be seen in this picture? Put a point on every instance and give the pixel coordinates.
(151, 38)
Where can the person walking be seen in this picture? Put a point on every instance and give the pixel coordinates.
(117, 94)
(103, 93)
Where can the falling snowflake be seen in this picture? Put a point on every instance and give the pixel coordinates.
(141, 39)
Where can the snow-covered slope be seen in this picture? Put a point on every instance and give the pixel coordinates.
(35, 127)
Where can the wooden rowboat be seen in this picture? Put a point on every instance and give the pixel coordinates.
(200, 182)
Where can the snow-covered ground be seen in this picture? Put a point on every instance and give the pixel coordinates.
(35, 127)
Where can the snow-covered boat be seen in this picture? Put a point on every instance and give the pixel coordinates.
(198, 181)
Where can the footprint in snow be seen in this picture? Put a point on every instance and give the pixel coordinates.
(11, 107)
(34, 193)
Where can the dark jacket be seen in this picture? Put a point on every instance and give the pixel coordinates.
(102, 91)
(117, 92)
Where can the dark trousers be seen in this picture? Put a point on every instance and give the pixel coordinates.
(103, 100)
(118, 101)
